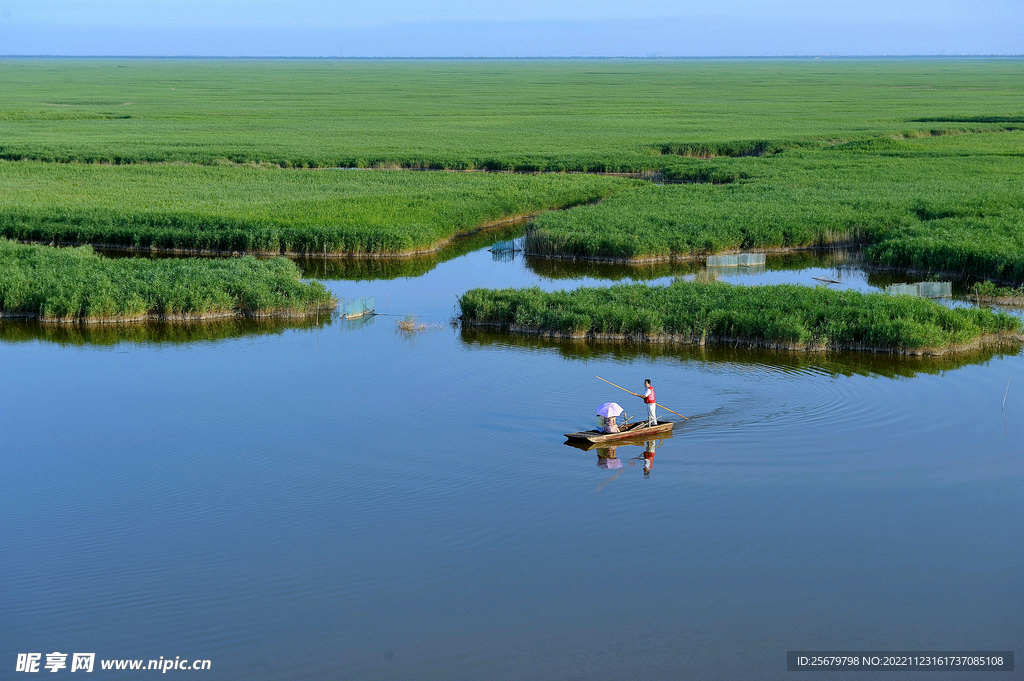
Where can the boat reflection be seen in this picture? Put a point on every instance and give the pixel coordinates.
(607, 459)
(648, 457)
(625, 442)
(608, 456)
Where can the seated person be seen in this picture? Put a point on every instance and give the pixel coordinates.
(609, 425)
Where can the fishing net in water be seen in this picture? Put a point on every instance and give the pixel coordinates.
(925, 289)
(935, 289)
(504, 251)
(357, 308)
(738, 260)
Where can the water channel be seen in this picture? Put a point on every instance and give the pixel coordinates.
(346, 500)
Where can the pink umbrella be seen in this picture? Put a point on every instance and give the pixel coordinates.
(609, 409)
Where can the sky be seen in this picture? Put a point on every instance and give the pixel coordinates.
(521, 28)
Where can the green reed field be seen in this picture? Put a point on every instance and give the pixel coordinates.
(775, 316)
(76, 284)
(531, 115)
(950, 203)
(270, 209)
(919, 158)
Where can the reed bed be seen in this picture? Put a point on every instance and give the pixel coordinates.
(550, 115)
(949, 204)
(987, 289)
(770, 154)
(782, 316)
(76, 284)
(269, 210)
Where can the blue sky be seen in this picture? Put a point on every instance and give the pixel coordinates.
(524, 28)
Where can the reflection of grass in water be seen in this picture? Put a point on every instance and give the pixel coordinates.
(371, 269)
(835, 363)
(558, 268)
(25, 331)
(367, 269)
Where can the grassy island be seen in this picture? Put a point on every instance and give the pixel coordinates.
(77, 285)
(781, 316)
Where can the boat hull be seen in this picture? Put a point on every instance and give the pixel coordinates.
(631, 432)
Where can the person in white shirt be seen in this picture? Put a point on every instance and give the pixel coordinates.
(651, 402)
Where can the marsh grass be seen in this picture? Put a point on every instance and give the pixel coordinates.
(920, 159)
(550, 115)
(786, 316)
(76, 284)
(936, 204)
(411, 325)
(988, 289)
(223, 209)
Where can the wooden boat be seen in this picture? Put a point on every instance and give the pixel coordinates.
(632, 441)
(630, 431)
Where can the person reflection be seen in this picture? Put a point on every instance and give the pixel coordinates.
(648, 457)
(607, 459)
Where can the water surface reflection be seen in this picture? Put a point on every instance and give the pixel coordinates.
(156, 333)
(386, 268)
(833, 363)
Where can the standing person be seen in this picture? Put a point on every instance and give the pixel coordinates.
(651, 402)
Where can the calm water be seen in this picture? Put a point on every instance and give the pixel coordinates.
(348, 501)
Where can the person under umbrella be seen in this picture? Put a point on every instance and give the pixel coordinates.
(607, 413)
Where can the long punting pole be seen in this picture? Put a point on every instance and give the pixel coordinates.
(639, 395)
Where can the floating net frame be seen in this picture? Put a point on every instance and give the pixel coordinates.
(352, 309)
(737, 260)
(924, 289)
(504, 251)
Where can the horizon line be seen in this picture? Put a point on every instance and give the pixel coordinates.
(516, 58)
